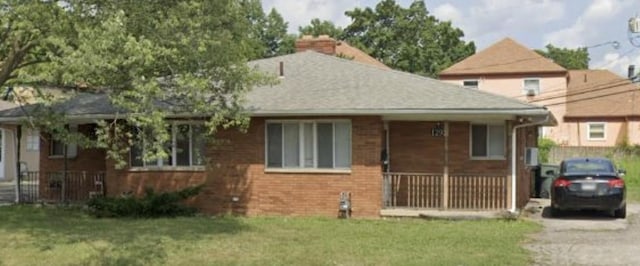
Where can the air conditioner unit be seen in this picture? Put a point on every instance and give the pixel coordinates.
(531, 92)
(531, 156)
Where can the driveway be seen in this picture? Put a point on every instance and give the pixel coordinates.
(585, 238)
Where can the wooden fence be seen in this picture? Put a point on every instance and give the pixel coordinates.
(426, 191)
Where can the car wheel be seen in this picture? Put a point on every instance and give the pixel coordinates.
(554, 212)
(621, 213)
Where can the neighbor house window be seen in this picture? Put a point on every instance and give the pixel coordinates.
(186, 148)
(531, 86)
(471, 84)
(33, 141)
(56, 148)
(488, 141)
(309, 144)
(596, 131)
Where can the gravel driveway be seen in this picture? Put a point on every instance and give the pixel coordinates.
(585, 238)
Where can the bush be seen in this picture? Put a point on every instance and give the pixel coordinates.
(152, 205)
(544, 147)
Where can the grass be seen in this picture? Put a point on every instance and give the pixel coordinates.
(631, 164)
(53, 236)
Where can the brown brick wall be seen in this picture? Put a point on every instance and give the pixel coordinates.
(413, 149)
(236, 169)
(87, 159)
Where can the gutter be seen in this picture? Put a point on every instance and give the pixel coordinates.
(514, 157)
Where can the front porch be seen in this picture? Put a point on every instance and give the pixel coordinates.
(453, 166)
(416, 194)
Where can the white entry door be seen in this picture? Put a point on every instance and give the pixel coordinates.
(2, 154)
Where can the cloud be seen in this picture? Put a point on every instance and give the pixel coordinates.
(618, 62)
(587, 28)
(300, 12)
(487, 21)
(448, 12)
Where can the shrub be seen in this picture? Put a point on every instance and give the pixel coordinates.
(151, 205)
(544, 147)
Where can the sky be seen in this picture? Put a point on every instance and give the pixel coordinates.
(594, 24)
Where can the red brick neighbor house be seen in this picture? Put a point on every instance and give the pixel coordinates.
(391, 140)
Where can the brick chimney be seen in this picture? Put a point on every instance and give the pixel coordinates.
(322, 44)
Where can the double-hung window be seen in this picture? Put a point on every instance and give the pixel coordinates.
(308, 144)
(488, 141)
(597, 131)
(531, 86)
(185, 148)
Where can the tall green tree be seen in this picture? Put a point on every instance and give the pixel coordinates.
(319, 27)
(275, 37)
(268, 32)
(568, 58)
(408, 39)
(31, 33)
(154, 60)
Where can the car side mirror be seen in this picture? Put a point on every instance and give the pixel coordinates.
(550, 172)
(622, 172)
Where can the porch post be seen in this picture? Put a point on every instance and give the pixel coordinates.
(445, 176)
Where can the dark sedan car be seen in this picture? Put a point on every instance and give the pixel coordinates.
(588, 184)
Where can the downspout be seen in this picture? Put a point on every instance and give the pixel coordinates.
(514, 157)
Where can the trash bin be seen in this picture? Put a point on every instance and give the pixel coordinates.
(544, 179)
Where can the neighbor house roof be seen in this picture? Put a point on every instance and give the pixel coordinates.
(318, 84)
(504, 57)
(355, 54)
(601, 93)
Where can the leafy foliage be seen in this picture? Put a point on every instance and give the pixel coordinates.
(154, 60)
(544, 147)
(152, 205)
(268, 32)
(407, 39)
(321, 27)
(568, 58)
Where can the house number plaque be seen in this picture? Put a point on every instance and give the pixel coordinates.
(437, 131)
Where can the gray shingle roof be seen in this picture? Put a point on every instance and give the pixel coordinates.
(318, 82)
(315, 83)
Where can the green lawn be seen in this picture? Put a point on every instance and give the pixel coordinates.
(632, 179)
(52, 236)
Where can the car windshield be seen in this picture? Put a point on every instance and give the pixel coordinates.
(588, 167)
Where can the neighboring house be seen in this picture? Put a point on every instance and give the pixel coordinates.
(603, 109)
(593, 107)
(508, 68)
(328, 128)
(29, 150)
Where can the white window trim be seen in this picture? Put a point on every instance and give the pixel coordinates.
(604, 128)
(33, 141)
(159, 166)
(477, 87)
(304, 169)
(524, 81)
(487, 158)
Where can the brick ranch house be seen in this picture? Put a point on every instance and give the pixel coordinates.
(323, 130)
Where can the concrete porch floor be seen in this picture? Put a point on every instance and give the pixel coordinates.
(445, 214)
